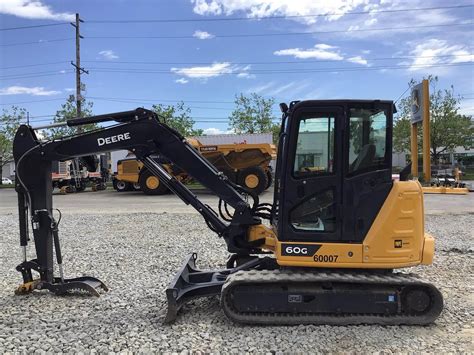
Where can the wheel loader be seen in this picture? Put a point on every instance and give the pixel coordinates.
(325, 250)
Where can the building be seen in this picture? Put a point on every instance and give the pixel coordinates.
(8, 170)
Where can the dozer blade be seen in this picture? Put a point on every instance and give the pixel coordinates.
(190, 283)
(79, 285)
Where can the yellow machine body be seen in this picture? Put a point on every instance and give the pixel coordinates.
(396, 238)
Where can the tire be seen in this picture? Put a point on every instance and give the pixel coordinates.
(254, 179)
(136, 186)
(269, 179)
(121, 186)
(150, 184)
(82, 187)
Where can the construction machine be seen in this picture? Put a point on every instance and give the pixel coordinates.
(322, 253)
(245, 164)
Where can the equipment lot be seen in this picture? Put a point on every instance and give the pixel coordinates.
(135, 244)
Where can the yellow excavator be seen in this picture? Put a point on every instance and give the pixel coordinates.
(325, 250)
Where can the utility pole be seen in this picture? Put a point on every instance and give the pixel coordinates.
(77, 65)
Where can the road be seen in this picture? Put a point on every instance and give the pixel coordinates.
(110, 201)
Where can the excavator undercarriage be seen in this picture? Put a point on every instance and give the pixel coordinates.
(337, 228)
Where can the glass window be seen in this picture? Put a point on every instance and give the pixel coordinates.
(316, 213)
(367, 141)
(315, 146)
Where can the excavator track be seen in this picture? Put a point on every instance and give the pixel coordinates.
(287, 297)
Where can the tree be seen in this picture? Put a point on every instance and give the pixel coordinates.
(448, 128)
(179, 118)
(253, 114)
(9, 123)
(68, 111)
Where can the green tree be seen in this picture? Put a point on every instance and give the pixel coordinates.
(178, 117)
(448, 128)
(68, 111)
(9, 123)
(253, 114)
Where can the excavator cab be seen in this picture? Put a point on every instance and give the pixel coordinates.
(335, 170)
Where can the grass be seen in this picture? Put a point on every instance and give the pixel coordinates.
(7, 186)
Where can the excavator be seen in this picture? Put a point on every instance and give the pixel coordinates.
(325, 250)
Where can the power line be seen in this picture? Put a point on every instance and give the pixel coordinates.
(13, 77)
(287, 33)
(33, 101)
(246, 18)
(274, 62)
(248, 35)
(161, 100)
(273, 71)
(236, 63)
(37, 42)
(408, 88)
(280, 17)
(34, 65)
(34, 26)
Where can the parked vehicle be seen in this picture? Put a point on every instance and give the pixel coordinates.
(247, 165)
(6, 181)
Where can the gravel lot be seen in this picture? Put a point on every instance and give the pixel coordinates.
(137, 254)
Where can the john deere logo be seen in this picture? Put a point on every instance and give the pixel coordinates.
(415, 101)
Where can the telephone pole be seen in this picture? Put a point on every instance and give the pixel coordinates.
(77, 65)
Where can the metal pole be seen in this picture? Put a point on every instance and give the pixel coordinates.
(78, 68)
(426, 132)
(414, 150)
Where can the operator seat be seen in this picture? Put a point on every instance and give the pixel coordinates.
(365, 157)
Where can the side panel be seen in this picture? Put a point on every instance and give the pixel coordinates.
(396, 238)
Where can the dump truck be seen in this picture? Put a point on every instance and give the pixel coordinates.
(245, 164)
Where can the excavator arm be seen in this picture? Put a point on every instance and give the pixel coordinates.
(141, 132)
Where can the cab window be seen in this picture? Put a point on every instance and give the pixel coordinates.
(367, 140)
(315, 146)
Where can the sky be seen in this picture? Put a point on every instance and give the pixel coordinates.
(205, 52)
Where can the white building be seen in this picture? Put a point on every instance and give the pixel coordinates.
(8, 170)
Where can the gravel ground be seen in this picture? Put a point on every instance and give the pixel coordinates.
(136, 256)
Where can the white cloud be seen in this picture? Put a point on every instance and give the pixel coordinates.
(265, 8)
(436, 51)
(285, 90)
(70, 89)
(213, 70)
(358, 60)
(182, 81)
(370, 22)
(32, 9)
(213, 131)
(202, 35)
(108, 54)
(22, 90)
(320, 51)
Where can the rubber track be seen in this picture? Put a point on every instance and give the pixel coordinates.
(289, 277)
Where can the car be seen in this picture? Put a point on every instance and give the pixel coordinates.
(6, 181)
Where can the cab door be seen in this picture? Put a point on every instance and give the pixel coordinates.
(367, 166)
(311, 186)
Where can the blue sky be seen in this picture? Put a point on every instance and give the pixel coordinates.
(345, 55)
